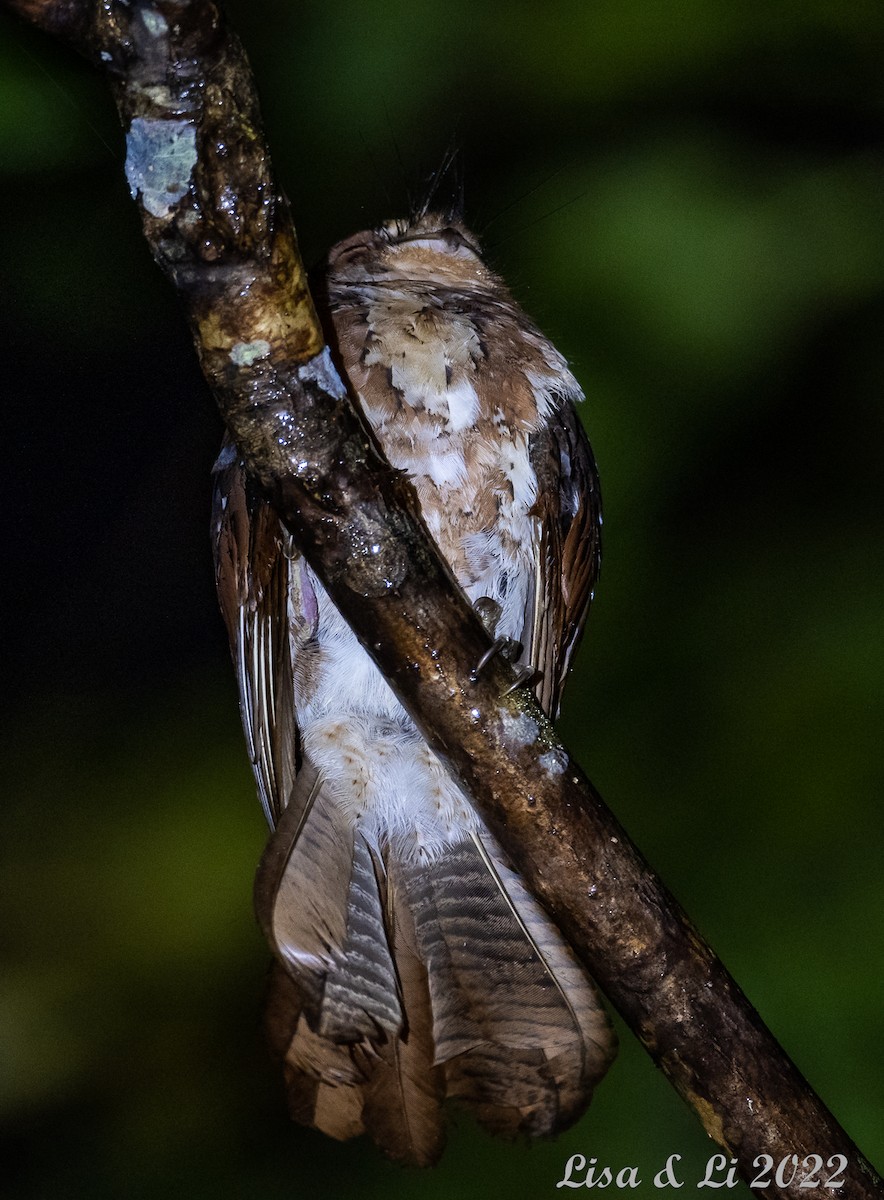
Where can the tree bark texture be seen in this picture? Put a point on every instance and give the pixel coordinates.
(220, 229)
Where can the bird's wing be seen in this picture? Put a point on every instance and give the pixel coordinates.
(567, 551)
(267, 603)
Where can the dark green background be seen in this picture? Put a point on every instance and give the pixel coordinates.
(689, 198)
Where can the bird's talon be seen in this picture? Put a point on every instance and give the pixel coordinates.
(524, 673)
(508, 649)
(496, 647)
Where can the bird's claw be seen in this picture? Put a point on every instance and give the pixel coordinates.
(506, 647)
(524, 674)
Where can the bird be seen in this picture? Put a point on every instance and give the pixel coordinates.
(412, 965)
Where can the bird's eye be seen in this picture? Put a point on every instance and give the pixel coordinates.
(456, 240)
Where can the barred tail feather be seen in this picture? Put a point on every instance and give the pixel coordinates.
(348, 1007)
(518, 1024)
(403, 1102)
(402, 979)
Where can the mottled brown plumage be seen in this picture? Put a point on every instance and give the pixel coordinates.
(411, 962)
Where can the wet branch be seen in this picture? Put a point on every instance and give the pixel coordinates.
(221, 230)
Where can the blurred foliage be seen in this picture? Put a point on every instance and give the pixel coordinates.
(689, 199)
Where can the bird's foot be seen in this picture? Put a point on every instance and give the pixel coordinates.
(507, 648)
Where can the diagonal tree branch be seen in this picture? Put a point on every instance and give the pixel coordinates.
(220, 229)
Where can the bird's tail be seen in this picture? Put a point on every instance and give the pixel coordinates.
(403, 979)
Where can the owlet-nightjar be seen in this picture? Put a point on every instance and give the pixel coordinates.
(411, 962)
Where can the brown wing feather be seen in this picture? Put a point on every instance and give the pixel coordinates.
(568, 549)
(252, 563)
